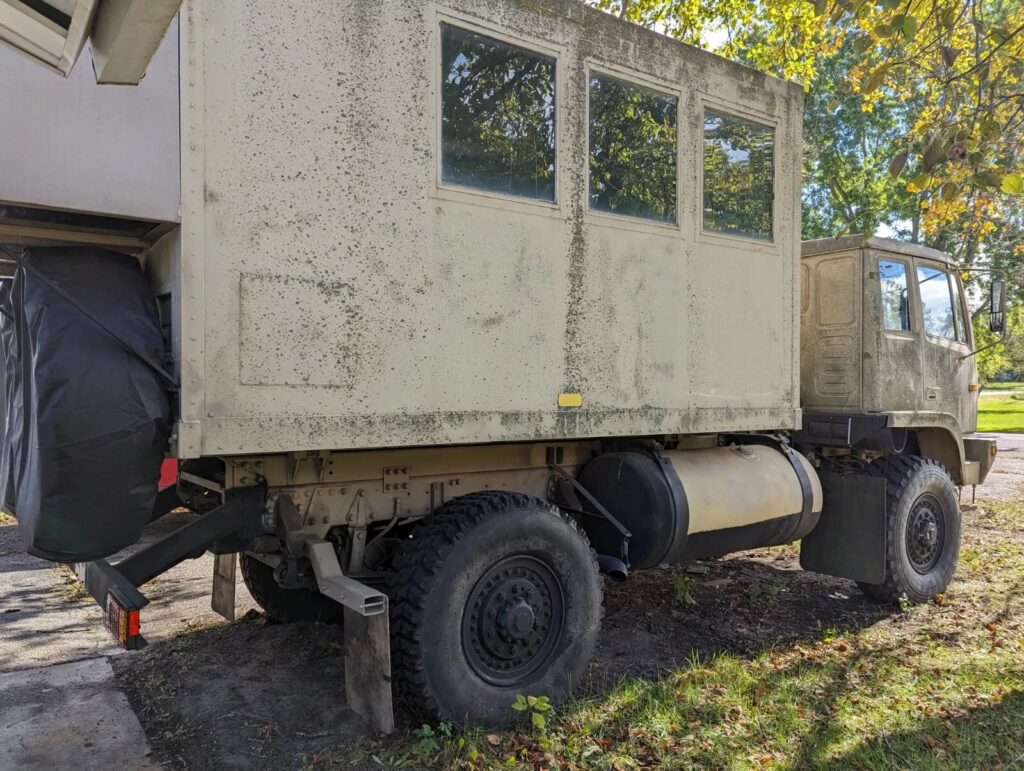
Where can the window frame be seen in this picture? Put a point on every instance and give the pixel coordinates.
(961, 313)
(752, 115)
(472, 195)
(664, 88)
(912, 292)
(945, 270)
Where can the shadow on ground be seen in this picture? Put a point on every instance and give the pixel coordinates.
(744, 604)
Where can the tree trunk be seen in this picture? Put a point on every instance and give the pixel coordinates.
(624, 12)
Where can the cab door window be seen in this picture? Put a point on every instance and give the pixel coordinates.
(895, 298)
(936, 303)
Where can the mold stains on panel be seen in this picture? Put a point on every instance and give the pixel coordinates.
(298, 332)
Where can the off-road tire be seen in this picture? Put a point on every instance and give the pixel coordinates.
(486, 552)
(286, 606)
(917, 489)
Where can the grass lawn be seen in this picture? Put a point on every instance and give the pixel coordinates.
(1004, 386)
(1000, 412)
(929, 687)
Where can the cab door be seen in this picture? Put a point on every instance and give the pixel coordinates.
(947, 367)
(896, 375)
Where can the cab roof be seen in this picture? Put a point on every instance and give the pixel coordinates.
(846, 243)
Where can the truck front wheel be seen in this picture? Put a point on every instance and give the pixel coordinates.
(922, 529)
(496, 594)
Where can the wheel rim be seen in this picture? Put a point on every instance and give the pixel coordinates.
(512, 620)
(926, 534)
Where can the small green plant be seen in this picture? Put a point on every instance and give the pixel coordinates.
(768, 593)
(536, 706)
(682, 591)
(426, 741)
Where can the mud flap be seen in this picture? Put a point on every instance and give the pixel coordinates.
(368, 668)
(223, 599)
(850, 538)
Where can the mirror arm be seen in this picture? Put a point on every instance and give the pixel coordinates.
(1003, 337)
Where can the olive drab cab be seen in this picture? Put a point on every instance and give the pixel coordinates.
(468, 306)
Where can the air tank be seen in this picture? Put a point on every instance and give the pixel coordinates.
(689, 504)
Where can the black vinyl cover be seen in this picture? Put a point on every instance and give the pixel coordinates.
(87, 421)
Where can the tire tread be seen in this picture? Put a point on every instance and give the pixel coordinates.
(898, 471)
(413, 572)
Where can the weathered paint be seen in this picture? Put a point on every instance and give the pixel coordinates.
(335, 295)
(851, 363)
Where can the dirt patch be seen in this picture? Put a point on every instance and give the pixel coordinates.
(745, 604)
(249, 695)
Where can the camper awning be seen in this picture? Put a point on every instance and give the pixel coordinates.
(124, 33)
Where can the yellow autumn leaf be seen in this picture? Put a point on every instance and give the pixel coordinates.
(1013, 184)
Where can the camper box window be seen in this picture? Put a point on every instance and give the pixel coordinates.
(633, 143)
(739, 176)
(497, 116)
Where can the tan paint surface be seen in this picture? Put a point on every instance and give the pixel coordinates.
(853, 364)
(337, 296)
(736, 486)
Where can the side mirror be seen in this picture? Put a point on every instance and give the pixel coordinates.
(997, 307)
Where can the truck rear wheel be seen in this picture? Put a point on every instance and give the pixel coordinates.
(286, 606)
(922, 529)
(496, 594)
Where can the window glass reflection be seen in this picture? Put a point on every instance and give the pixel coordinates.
(739, 176)
(633, 140)
(498, 116)
(895, 302)
(936, 304)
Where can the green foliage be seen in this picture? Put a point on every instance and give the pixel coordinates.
(991, 357)
(852, 180)
(426, 741)
(682, 591)
(536, 706)
(768, 594)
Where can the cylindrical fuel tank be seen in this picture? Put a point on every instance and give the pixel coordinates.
(688, 504)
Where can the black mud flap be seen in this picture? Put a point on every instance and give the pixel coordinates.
(850, 539)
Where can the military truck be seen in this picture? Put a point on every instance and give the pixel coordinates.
(455, 310)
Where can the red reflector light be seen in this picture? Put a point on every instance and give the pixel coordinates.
(123, 624)
(133, 623)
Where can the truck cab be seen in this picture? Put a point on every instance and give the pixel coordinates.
(887, 351)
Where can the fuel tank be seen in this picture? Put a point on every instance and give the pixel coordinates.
(689, 504)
